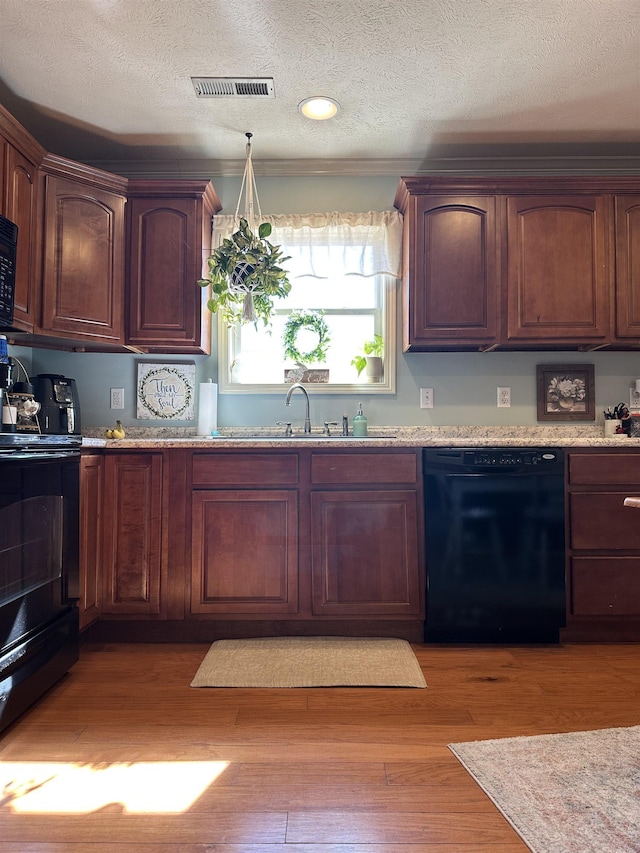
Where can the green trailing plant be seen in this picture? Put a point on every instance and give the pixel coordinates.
(315, 322)
(246, 275)
(374, 347)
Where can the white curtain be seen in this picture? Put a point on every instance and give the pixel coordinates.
(364, 244)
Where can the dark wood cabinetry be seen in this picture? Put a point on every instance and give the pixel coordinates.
(20, 157)
(21, 206)
(604, 546)
(520, 263)
(83, 280)
(91, 484)
(627, 233)
(76, 287)
(364, 535)
(133, 534)
(558, 269)
(310, 537)
(452, 251)
(169, 239)
(245, 539)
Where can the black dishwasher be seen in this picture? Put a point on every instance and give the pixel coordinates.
(495, 544)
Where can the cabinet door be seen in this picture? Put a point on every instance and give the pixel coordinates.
(605, 587)
(169, 239)
(365, 556)
(20, 206)
(558, 269)
(83, 261)
(600, 521)
(132, 533)
(91, 482)
(453, 272)
(628, 267)
(245, 552)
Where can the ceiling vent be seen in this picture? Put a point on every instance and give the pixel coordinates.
(233, 87)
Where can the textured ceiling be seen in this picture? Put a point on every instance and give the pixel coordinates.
(107, 80)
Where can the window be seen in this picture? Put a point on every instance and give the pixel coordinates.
(343, 265)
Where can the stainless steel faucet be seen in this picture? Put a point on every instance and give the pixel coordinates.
(307, 417)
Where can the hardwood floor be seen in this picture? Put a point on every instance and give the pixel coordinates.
(123, 755)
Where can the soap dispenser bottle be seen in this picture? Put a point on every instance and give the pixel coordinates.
(359, 423)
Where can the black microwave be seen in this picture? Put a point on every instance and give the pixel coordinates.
(8, 245)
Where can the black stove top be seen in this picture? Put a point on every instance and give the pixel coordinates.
(36, 441)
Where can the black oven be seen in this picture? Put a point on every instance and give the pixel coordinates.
(39, 565)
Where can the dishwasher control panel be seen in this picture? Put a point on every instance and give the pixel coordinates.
(507, 458)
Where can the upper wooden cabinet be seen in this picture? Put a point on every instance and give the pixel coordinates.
(452, 251)
(169, 240)
(83, 273)
(520, 263)
(628, 267)
(20, 156)
(557, 269)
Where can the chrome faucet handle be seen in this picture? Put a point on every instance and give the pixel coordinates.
(288, 431)
(327, 424)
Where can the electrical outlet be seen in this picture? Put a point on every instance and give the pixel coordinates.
(504, 396)
(117, 398)
(426, 398)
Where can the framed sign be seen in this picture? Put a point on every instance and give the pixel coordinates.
(166, 391)
(566, 392)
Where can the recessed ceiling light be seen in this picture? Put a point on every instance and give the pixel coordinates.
(319, 108)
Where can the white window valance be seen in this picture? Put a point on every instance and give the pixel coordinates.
(364, 244)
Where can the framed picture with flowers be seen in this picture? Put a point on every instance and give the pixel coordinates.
(566, 392)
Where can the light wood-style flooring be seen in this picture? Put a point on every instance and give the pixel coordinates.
(122, 756)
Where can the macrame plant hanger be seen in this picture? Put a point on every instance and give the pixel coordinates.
(241, 280)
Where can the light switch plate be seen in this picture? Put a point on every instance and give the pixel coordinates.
(426, 398)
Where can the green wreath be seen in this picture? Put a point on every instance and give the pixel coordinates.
(313, 320)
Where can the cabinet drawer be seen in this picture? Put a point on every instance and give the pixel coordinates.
(604, 468)
(605, 586)
(350, 468)
(211, 470)
(600, 521)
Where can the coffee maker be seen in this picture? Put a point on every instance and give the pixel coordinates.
(59, 404)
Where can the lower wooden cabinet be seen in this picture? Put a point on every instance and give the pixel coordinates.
(91, 482)
(209, 544)
(364, 559)
(307, 535)
(604, 546)
(132, 541)
(245, 552)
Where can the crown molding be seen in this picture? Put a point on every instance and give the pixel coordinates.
(498, 165)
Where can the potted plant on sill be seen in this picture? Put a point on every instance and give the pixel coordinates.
(246, 275)
(370, 360)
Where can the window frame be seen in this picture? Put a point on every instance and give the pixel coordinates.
(387, 386)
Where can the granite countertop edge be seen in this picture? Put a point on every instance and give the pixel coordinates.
(390, 437)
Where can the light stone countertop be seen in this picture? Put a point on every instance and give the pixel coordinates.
(414, 436)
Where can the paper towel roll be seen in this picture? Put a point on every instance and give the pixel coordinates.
(207, 408)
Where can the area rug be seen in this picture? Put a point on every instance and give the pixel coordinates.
(310, 662)
(564, 793)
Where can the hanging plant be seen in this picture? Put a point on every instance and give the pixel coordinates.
(246, 275)
(313, 321)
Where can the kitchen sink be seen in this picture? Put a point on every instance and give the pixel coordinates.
(280, 436)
